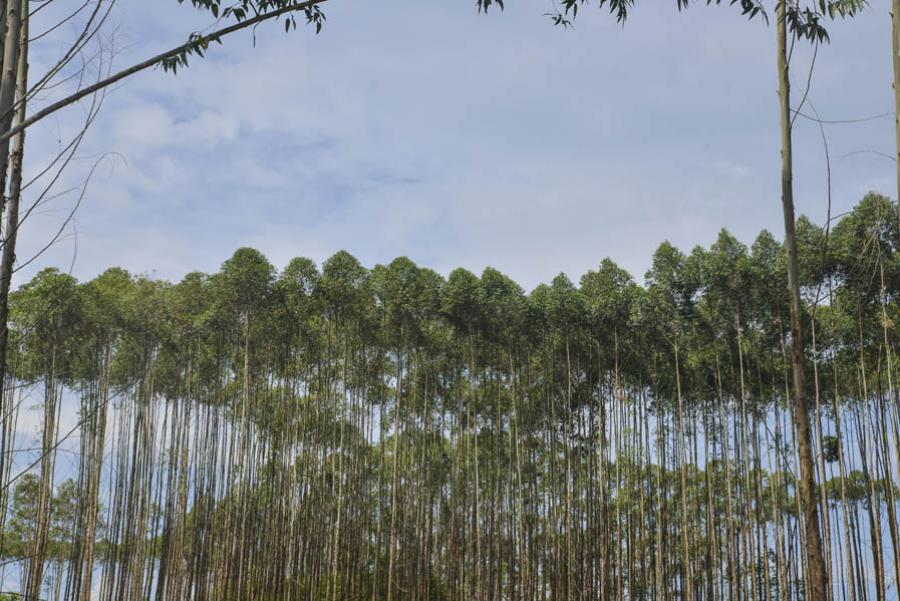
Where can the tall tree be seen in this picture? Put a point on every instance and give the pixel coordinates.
(818, 574)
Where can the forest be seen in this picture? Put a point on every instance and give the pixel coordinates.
(727, 427)
(337, 432)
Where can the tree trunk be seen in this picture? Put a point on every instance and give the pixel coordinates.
(818, 578)
(12, 76)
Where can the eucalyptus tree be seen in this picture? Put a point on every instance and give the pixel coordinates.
(610, 299)
(562, 312)
(460, 304)
(242, 292)
(348, 305)
(20, 530)
(866, 298)
(342, 298)
(132, 503)
(103, 301)
(671, 287)
(500, 310)
(405, 295)
(50, 308)
(182, 364)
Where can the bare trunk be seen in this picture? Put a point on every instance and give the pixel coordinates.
(13, 75)
(818, 578)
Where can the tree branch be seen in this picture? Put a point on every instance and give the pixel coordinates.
(155, 60)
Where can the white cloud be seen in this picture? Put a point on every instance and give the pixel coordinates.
(459, 139)
(142, 129)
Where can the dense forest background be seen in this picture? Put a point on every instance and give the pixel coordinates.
(389, 433)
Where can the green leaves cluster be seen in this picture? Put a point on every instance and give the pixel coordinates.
(242, 12)
(805, 21)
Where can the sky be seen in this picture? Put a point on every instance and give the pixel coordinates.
(457, 139)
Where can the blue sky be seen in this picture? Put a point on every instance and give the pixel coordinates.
(457, 139)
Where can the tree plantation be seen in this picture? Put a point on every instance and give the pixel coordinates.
(343, 433)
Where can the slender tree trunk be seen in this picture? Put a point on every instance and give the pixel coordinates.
(12, 74)
(818, 577)
(35, 573)
(395, 478)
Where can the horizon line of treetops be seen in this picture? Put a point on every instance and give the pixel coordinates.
(342, 433)
(766, 252)
(678, 282)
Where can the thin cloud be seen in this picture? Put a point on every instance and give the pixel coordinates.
(457, 139)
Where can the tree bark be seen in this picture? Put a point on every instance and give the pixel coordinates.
(11, 75)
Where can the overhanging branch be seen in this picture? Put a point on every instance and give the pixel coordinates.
(153, 61)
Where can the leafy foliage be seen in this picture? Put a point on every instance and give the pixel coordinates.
(316, 432)
(239, 12)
